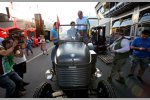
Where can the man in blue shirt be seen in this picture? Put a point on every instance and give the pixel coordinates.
(141, 52)
(54, 38)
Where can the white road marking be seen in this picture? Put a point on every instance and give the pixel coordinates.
(37, 55)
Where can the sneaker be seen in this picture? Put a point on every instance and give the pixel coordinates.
(21, 93)
(120, 80)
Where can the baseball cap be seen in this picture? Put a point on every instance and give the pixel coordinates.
(145, 32)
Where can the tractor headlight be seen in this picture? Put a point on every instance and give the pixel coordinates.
(49, 74)
(98, 73)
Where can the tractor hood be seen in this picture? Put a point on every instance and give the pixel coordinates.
(72, 53)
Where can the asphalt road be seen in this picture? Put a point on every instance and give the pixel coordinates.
(38, 63)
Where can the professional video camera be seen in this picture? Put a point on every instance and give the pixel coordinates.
(17, 35)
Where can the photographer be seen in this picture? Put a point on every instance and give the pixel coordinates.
(19, 56)
(9, 79)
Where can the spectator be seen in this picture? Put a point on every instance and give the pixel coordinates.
(29, 46)
(24, 45)
(20, 62)
(43, 45)
(120, 48)
(54, 38)
(82, 26)
(141, 52)
(72, 32)
(111, 39)
(1, 39)
(9, 79)
(39, 38)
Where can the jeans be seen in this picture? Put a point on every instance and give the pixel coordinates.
(12, 83)
(117, 66)
(143, 62)
(85, 38)
(29, 49)
(20, 68)
(53, 53)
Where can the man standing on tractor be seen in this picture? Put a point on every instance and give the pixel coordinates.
(82, 28)
(54, 38)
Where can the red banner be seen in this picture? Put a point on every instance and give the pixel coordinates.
(58, 22)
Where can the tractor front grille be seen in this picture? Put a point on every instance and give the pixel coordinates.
(73, 76)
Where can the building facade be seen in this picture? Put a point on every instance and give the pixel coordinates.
(133, 17)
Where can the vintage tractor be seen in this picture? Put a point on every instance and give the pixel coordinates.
(76, 73)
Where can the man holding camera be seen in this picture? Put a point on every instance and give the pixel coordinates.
(54, 38)
(9, 79)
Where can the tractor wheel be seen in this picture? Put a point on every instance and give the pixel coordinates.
(44, 91)
(105, 90)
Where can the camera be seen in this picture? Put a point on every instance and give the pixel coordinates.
(17, 35)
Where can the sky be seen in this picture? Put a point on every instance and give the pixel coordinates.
(66, 11)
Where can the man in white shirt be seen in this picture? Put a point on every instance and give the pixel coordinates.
(82, 28)
(121, 49)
